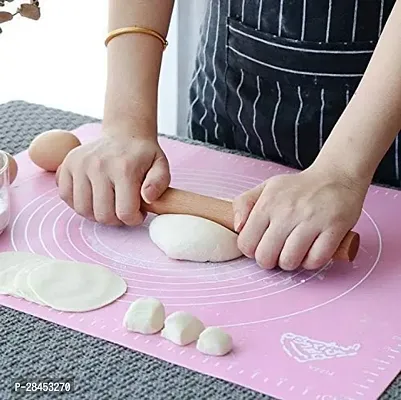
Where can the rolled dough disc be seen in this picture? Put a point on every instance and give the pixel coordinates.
(186, 237)
(75, 287)
(11, 263)
(20, 285)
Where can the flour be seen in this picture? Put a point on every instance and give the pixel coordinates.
(4, 212)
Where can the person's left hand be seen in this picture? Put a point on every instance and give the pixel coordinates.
(298, 219)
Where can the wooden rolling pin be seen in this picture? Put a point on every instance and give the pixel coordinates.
(176, 201)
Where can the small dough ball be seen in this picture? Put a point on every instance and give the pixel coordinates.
(145, 315)
(182, 328)
(187, 237)
(214, 341)
(49, 149)
(12, 168)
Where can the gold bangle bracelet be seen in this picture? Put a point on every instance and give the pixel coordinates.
(135, 29)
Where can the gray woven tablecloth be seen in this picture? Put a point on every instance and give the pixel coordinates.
(30, 347)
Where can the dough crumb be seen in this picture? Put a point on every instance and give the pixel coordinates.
(145, 315)
(182, 328)
(214, 341)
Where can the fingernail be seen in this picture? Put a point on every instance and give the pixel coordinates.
(237, 221)
(147, 193)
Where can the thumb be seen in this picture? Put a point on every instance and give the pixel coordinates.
(156, 181)
(243, 205)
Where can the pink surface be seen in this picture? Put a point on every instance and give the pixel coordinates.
(332, 334)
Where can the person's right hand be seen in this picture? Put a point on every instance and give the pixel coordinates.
(105, 180)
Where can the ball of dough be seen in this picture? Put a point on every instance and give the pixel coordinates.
(49, 149)
(214, 341)
(182, 328)
(145, 315)
(186, 237)
(12, 168)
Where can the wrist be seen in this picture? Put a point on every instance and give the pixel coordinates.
(337, 168)
(129, 127)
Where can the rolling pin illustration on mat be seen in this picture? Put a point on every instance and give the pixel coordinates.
(176, 201)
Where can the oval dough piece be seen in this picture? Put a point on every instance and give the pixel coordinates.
(11, 263)
(145, 315)
(76, 287)
(214, 341)
(186, 237)
(20, 285)
(182, 328)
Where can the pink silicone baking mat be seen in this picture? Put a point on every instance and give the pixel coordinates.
(327, 335)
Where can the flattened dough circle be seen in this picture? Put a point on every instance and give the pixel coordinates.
(11, 263)
(76, 287)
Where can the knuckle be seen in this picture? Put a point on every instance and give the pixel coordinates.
(69, 158)
(124, 167)
(97, 164)
(338, 218)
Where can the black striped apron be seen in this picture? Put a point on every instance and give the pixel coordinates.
(272, 77)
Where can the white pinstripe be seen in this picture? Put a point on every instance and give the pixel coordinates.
(329, 20)
(190, 133)
(301, 103)
(321, 125)
(216, 126)
(397, 165)
(200, 68)
(241, 105)
(303, 20)
(347, 96)
(243, 11)
(260, 13)
(355, 20)
(292, 71)
(273, 128)
(381, 17)
(262, 149)
(280, 18)
(301, 49)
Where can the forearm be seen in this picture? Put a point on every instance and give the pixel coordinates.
(372, 119)
(134, 62)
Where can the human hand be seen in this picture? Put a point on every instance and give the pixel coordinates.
(298, 219)
(105, 180)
